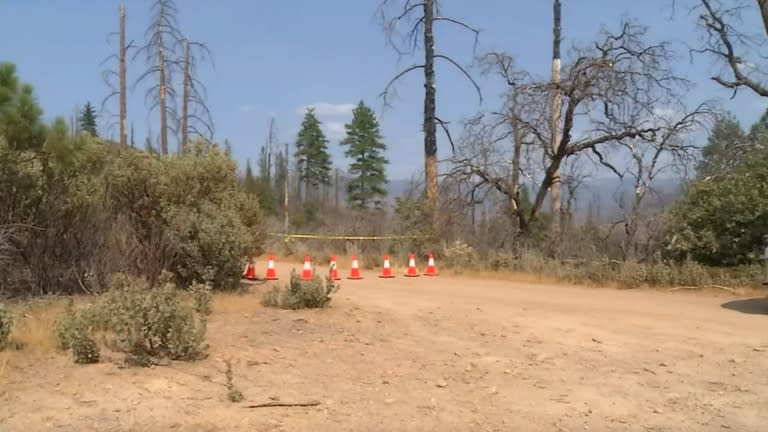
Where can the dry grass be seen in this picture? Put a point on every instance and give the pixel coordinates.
(34, 321)
(235, 303)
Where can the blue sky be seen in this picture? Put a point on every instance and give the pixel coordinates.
(276, 57)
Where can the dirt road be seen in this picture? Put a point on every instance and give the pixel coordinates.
(431, 354)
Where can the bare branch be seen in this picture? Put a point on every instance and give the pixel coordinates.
(466, 74)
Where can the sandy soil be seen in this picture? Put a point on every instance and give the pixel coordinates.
(430, 354)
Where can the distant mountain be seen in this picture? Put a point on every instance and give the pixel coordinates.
(604, 195)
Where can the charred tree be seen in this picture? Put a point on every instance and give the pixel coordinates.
(195, 116)
(121, 75)
(421, 18)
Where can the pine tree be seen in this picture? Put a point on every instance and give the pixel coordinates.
(725, 147)
(266, 194)
(87, 120)
(312, 158)
(365, 148)
(149, 147)
(278, 180)
(250, 184)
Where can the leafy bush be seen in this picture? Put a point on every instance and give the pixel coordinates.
(301, 294)
(147, 324)
(6, 325)
(151, 324)
(85, 349)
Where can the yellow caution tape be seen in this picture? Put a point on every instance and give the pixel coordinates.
(338, 237)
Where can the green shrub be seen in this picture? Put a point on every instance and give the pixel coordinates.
(301, 294)
(146, 324)
(150, 324)
(85, 349)
(203, 298)
(6, 325)
(64, 328)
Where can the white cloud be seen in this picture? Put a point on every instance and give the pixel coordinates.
(332, 116)
(324, 109)
(334, 130)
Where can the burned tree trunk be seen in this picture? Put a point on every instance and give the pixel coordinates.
(123, 95)
(423, 27)
(162, 93)
(555, 195)
(430, 126)
(185, 101)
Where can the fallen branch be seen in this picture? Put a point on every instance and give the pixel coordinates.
(284, 404)
(725, 288)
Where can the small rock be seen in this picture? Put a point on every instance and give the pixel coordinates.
(758, 349)
(508, 371)
(662, 364)
(733, 360)
(388, 401)
(441, 384)
(275, 349)
(596, 340)
(658, 411)
(493, 390)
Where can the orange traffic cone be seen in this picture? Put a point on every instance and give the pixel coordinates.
(250, 271)
(306, 274)
(354, 272)
(271, 272)
(412, 270)
(334, 269)
(431, 268)
(386, 270)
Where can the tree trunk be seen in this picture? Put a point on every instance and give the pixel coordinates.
(123, 97)
(430, 126)
(162, 95)
(514, 178)
(285, 190)
(555, 194)
(185, 100)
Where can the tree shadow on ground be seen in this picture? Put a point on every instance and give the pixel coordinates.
(753, 306)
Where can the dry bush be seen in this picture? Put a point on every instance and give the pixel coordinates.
(459, 256)
(301, 294)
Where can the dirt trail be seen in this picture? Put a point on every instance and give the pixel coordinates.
(432, 354)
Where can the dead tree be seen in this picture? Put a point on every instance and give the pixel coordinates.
(108, 75)
(670, 150)
(420, 17)
(195, 116)
(555, 195)
(737, 50)
(617, 88)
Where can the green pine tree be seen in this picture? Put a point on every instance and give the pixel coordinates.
(149, 147)
(250, 184)
(265, 192)
(278, 180)
(725, 147)
(365, 147)
(312, 158)
(87, 120)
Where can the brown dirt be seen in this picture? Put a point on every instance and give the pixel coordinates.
(422, 354)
